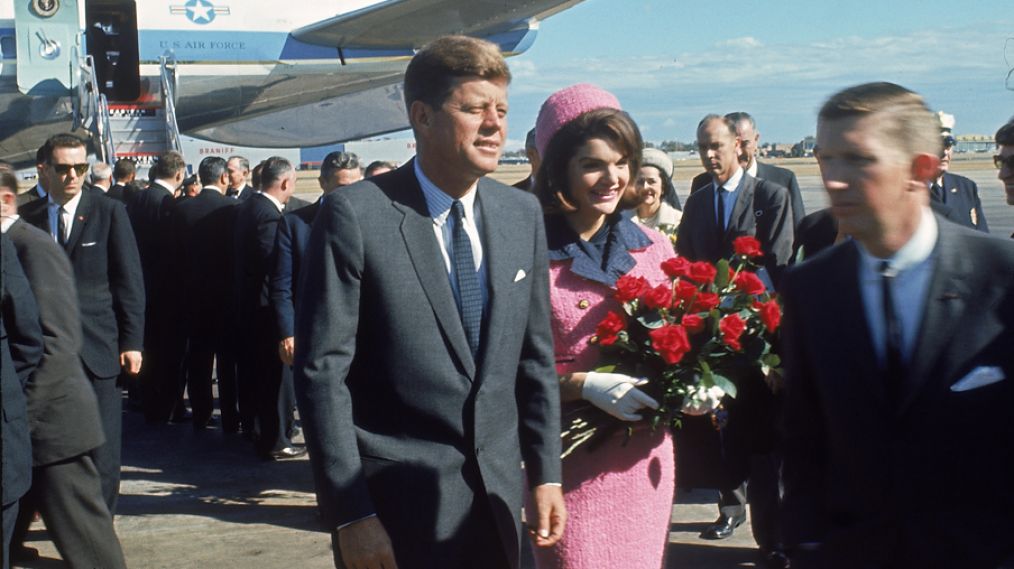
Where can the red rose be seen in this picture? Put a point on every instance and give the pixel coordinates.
(693, 323)
(702, 272)
(659, 297)
(676, 267)
(770, 314)
(609, 327)
(704, 302)
(747, 245)
(628, 288)
(685, 291)
(732, 327)
(749, 283)
(670, 342)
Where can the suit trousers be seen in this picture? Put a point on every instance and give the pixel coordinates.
(68, 494)
(160, 380)
(228, 388)
(107, 456)
(762, 492)
(10, 514)
(272, 384)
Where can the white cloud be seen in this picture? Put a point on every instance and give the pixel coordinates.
(748, 42)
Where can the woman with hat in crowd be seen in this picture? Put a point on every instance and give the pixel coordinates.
(656, 191)
(619, 495)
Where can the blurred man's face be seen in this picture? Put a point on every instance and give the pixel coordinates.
(719, 150)
(1006, 173)
(237, 174)
(749, 139)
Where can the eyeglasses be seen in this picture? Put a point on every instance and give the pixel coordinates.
(1001, 161)
(64, 169)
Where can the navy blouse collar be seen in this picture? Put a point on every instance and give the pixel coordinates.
(602, 262)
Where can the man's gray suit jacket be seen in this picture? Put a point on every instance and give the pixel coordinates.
(400, 420)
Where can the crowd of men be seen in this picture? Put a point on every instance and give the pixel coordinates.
(167, 287)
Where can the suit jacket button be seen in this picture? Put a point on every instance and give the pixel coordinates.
(583, 304)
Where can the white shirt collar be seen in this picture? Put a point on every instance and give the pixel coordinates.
(752, 170)
(732, 183)
(216, 188)
(438, 202)
(71, 206)
(7, 221)
(165, 185)
(918, 248)
(275, 201)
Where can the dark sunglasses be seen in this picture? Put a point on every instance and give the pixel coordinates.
(1000, 161)
(64, 169)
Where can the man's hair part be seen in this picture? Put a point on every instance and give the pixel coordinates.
(273, 170)
(905, 122)
(338, 160)
(64, 140)
(708, 119)
(432, 71)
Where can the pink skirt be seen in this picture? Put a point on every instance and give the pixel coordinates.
(619, 505)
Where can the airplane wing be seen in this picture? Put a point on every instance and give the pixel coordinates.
(413, 23)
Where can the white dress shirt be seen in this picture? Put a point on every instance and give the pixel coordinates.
(68, 213)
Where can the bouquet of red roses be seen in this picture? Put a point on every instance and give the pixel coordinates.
(684, 336)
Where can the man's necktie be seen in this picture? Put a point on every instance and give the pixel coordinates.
(469, 289)
(231, 193)
(938, 192)
(721, 210)
(895, 365)
(61, 227)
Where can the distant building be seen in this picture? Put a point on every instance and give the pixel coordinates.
(974, 143)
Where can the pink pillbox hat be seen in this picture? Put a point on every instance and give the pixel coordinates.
(566, 105)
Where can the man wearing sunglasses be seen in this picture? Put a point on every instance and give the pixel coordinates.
(956, 192)
(96, 234)
(1004, 159)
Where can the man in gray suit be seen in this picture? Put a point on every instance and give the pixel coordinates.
(424, 367)
(63, 412)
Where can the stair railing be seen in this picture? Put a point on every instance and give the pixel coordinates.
(167, 65)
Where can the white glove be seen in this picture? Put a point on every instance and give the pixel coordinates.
(616, 394)
(702, 400)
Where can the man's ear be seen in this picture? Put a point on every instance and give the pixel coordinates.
(925, 167)
(420, 115)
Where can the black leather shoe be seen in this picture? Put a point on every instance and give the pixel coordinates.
(774, 558)
(723, 527)
(286, 453)
(181, 416)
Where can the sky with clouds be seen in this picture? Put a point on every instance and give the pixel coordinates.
(671, 62)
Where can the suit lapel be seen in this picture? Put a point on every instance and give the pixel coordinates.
(81, 217)
(428, 262)
(741, 219)
(499, 256)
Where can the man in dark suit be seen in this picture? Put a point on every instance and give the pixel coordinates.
(38, 191)
(102, 178)
(736, 204)
(150, 212)
(20, 352)
(239, 174)
(1004, 159)
(258, 365)
(124, 174)
(95, 232)
(749, 136)
(202, 232)
(899, 440)
(63, 413)
(422, 381)
(956, 192)
(336, 170)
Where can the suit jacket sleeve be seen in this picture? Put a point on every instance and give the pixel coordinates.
(538, 389)
(798, 210)
(327, 320)
(21, 326)
(126, 281)
(280, 280)
(981, 217)
(804, 439)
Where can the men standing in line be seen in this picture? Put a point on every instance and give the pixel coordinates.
(956, 192)
(150, 212)
(336, 170)
(239, 174)
(96, 234)
(258, 365)
(749, 137)
(63, 413)
(1004, 159)
(899, 440)
(202, 235)
(425, 369)
(124, 174)
(38, 191)
(733, 204)
(20, 351)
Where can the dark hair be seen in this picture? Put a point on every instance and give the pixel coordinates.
(167, 165)
(9, 181)
(211, 170)
(552, 184)
(255, 176)
(741, 116)
(434, 68)
(1005, 135)
(273, 169)
(378, 164)
(903, 117)
(124, 168)
(338, 160)
(65, 140)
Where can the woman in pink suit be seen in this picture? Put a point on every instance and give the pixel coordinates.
(619, 495)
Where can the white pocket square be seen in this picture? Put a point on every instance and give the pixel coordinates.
(521, 274)
(89, 244)
(979, 377)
